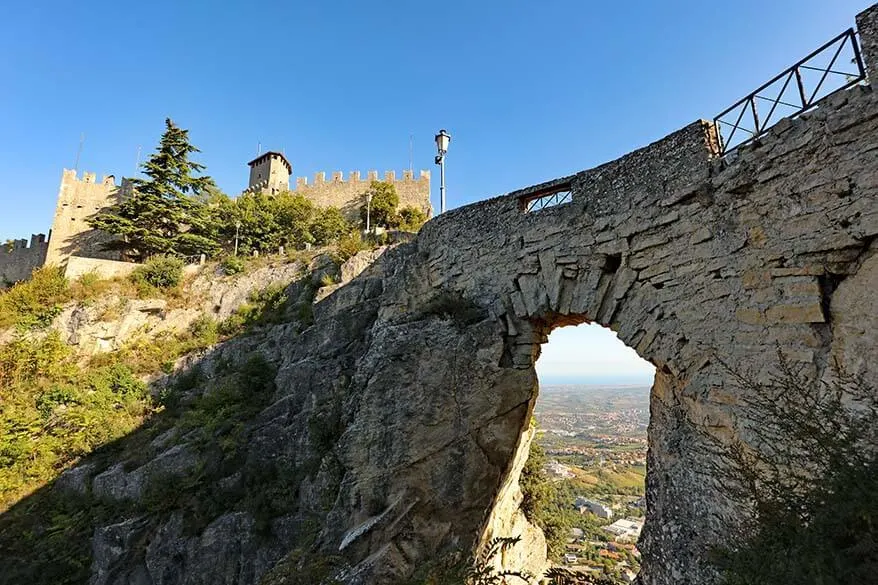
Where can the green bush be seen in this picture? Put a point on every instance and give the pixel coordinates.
(232, 265)
(349, 246)
(329, 225)
(204, 330)
(35, 302)
(382, 209)
(813, 481)
(162, 272)
(411, 219)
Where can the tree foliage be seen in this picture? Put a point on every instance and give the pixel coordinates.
(163, 214)
(810, 468)
(411, 219)
(263, 223)
(383, 204)
(541, 503)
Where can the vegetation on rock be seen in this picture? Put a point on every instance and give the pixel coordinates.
(541, 503)
(162, 272)
(813, 481)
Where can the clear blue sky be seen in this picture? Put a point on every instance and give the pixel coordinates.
(529, 90)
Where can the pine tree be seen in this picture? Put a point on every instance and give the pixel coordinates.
(163, 214)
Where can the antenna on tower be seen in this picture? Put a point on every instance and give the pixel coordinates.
(258, 148)
(137, 162)
(411, 151)
(79, 151)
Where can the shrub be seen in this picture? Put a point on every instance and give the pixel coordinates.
(88, 286)
(232, 265)
(204, 330)
(162, 272)
(329, 225)
(382, 209)
(411, 219)
(348, 246)
(35, 302)
(812, 478)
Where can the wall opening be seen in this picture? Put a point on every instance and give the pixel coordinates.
(589, 446)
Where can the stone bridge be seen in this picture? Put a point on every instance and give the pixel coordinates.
(693, 259)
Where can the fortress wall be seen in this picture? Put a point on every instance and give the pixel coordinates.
(19, 261)
(79, 199)
(349, 195)
(77, 266)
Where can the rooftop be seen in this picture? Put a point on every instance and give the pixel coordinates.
(260, 158)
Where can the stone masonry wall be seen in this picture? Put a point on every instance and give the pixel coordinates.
(78, 199)
(19, 261)
(692, 260)
(349, 195)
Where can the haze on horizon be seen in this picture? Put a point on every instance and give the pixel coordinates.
(590, 354)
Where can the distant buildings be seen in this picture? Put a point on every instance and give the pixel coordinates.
(558, 470)
(625, 530)
(596, 508)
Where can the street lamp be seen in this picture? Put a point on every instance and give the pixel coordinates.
(442, 140)
(237, 231)
(368, 209)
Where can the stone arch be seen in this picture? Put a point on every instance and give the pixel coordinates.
(689, 257)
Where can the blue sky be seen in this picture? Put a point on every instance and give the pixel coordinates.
(528, 90)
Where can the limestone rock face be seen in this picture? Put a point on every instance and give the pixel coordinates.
(394, 435)
(111, 321)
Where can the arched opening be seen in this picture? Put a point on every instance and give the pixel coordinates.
(584, 482)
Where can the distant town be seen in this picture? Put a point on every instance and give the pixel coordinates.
(595, 441)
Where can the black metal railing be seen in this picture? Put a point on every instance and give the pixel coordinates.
(793, 91)
(557, 195)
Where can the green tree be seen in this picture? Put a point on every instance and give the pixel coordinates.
(411, 219)
(329, 225)
(541, 502)
(163, 214)
(382, 209)
(296, 214)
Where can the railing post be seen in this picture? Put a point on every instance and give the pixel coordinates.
(867, 25)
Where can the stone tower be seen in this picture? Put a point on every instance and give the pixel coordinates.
(270, 173)
(79, 199)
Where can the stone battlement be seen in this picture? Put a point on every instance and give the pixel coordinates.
(357, 177)
(349, 195)
(69, 175)
(22, 244)
(18, 259)
(78, 200)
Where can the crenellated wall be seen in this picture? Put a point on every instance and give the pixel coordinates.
(349, 195)
(18, 260)
(79, 199)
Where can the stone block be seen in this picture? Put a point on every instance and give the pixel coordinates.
(750, 316)
(807, 313)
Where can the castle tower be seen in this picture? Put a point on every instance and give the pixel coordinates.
(270, 173)
(79, 199)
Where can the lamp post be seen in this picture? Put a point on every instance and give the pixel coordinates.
(442, 140)
(368, 210)
(237, 231)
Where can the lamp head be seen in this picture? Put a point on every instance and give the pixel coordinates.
(442, 141)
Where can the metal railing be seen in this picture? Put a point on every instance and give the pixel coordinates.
(546, 198)
(792, 92)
